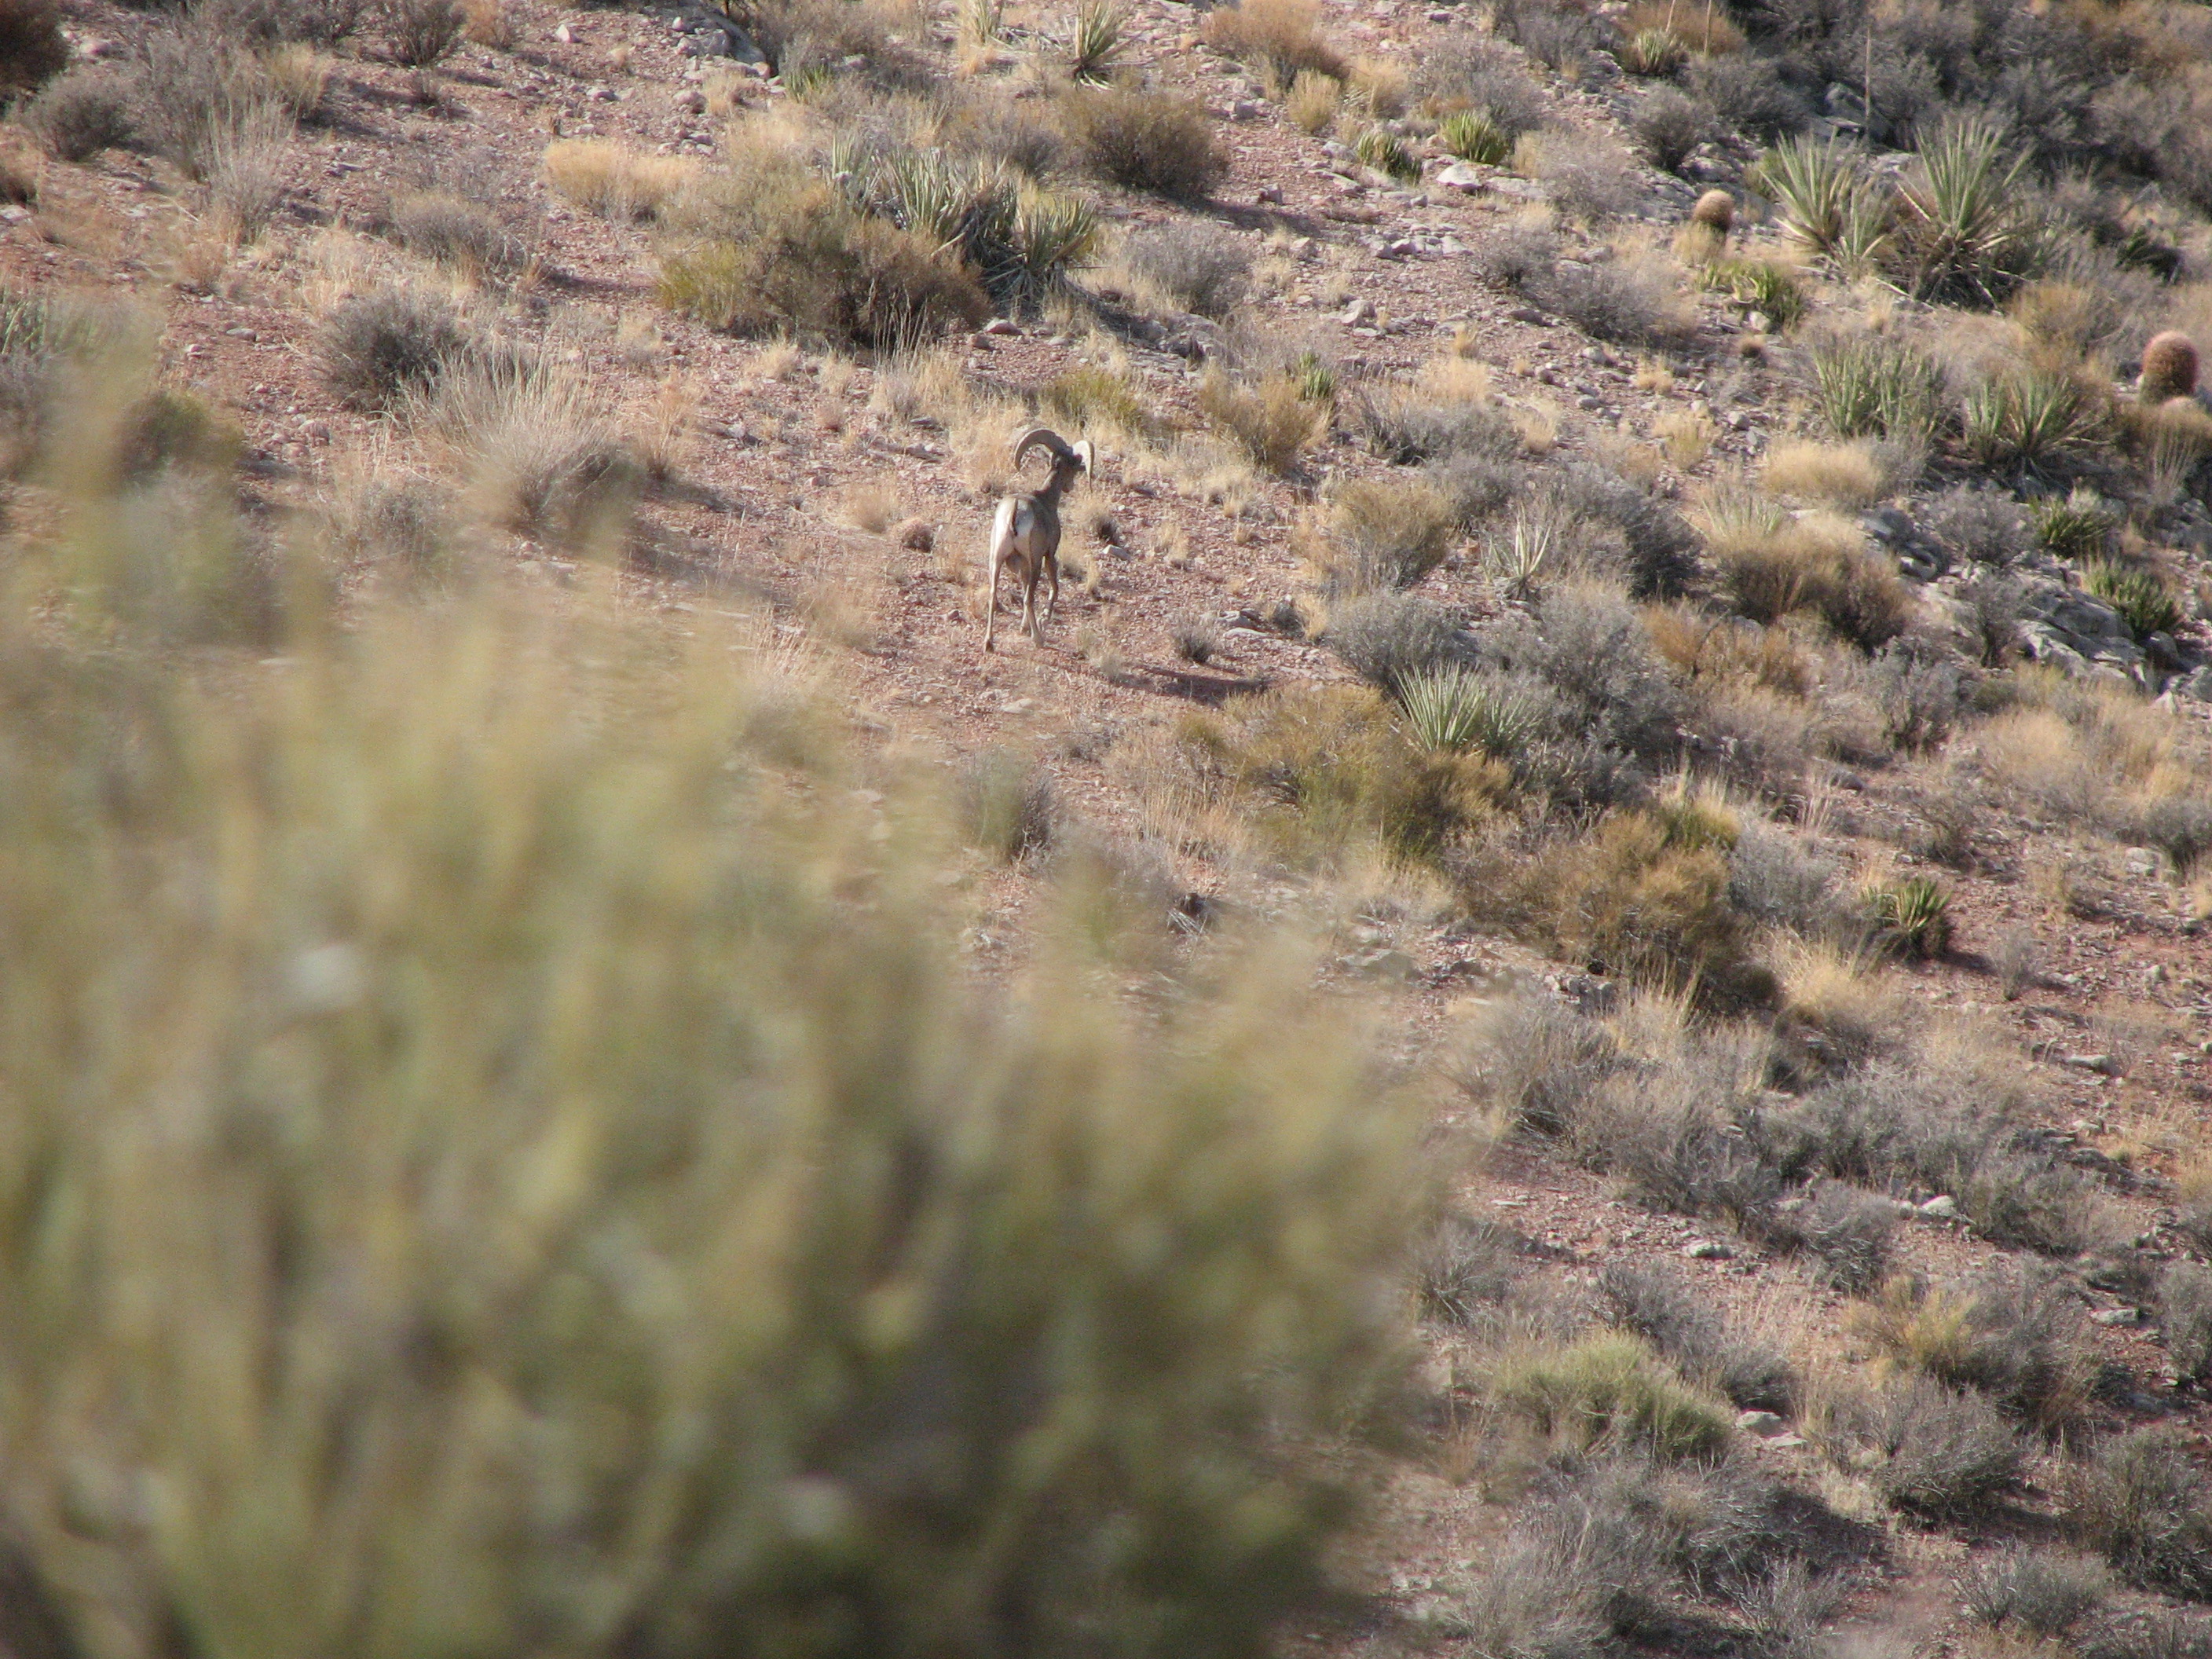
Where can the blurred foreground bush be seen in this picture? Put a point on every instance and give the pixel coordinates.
(498, 1156)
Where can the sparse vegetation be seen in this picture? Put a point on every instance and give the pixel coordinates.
(2140, 1501)
(382, 348)
(1146, 141)
(419, 33)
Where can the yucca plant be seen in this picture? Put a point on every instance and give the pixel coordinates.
(1454, 709)
(1095, 48)
(1914, 915)
(1385, 152)
(1052, 235)
(983, 22)
(2074, 526)
(1518, 557)
(1871, 388)
(2137, 593)
(1652, 52)
(1474, 135)
(1757, 284)
(1964, 233)
(1816, 185)
(2030, 417)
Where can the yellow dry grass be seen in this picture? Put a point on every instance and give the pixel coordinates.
(612, 179)
(1845, 475)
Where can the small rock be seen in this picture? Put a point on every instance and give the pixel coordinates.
(1528, 314)
(919, 534)
(1002, 325)
(2118, 1316)
(565, 35)
(693, 102)
(1384, 963)
(1942, 1207)
(1764, 1424)
(2140, 861)
(2101, 1064)
(1707, 1249)
(1359, 311)
(1243, 110)
(1462, 175)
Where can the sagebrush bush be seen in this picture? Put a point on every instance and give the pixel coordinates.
(82, 112)
(1627, 302)
(1281, 38)
(1387, 637)
(1925, 1449)
(587, 1225)
(2016, 1335)
(1660, 1305)
(2141, 1502)
(2184, 1313)
(1199, 268)
(454, 231)
(2045, 1593)
(419, 33)
(382, 348)
(1467, 1265)
(1382, 533)
(1147, 141)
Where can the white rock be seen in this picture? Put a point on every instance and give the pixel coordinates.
(1942, 1207)
(1764, 1424)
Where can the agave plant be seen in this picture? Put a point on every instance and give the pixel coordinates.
(2075, 525)
(1051, 233)
(1456, 710)
(1316, 380)
(2137, 593)
(1914, 915)
(1387, 153)
(983, 22)
(1653, 52)
(1095, 47)
(1474, 135)
(1964, 235)
(2029, 418)
(1520, 556)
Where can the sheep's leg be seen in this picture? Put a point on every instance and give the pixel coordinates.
(1002, 548)
(1052, 601)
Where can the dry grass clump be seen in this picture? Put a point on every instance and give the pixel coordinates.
(544, 462)
(614, 181)
(1442, 413)
(1588, 179)
(1607, 1390)
(456, 233)
(1772, 565)
(535, 970)
(1146, 141)
(1630, 300)
(2098, 755)
(1274, 422)
(419, 33)
(1662, 1307)
(1282, 39)
(2016, 1336)
(1194, 267)
(1650, 901)
(1839, 474)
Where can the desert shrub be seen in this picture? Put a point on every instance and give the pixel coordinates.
(1008, 806)
(1975, 523)
(380, 347)
(1199, 267)
(2184, 1309)
(1628, 301)
(2074, 526)
(1659, 1305)
(1274, 422)
(1320, 768)
(1404, 421)
(315, 23)
(32, 49)
(1608, 1389)
(1538, 1065)
(1652, 910)
(1846, 1232)
(1463, 71)
(2157, 1634)
(401, 522)
(1467, 1265)
(1147, 141)
(2043, 1593)
(1748, 94)
(1668, 124)
(440, 226)
(2177, 821)
(1382, 533)
(2015, 1335)
(2141, 1502)
(543, 938)
(1594, 654)
(1926, 1448)
(192, 87)
(82, 112)
(1560, 37)
(545, 464)
(245, 168)
(1387, 637)
(1281, 38)
(1588, 179)
(166, 428)
(1913, 915)
(765, 247)
(1770, 566)
(1613, 529)
(421, 32)
(1777, 880)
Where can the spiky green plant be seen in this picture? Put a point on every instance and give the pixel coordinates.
(1052, 235)
(983, 22)
(2030, 417)
(1914, 915)
(1871, 388)
(1759, 284)
(1316, 380)
(1386, 152)
(1474, 135)
(1815, 186)
(2137, 593)
(502, 1156)
(2074, 526)
(1521, 555)
(1964, 233)
(1654, 52)
(1454, 709)
(1095, 48)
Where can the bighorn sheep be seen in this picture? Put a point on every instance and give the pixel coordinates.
(1025, 533)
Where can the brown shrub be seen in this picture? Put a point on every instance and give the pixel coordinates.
(1280, 38)
(32, 49)
(1146, 141)
(1272, 423)
(1650, 905)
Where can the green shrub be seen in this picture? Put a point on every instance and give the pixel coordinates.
(2141, 1502)
(82, 112)
(2031, 417)
(2137, 593)
(1869, 388)
(1914, 915)
(1147, 141)
(1474, 135)
(1386, 152)
(510, 1172)
(2075, 525)
(1609, 1389)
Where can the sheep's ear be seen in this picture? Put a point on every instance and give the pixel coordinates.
(1087, 453)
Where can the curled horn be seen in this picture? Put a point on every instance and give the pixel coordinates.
(1048, 437)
